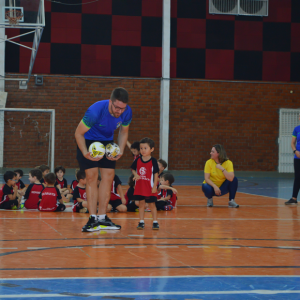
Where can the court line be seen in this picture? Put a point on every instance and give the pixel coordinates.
(140, 277)
(151, 268)
(259, 292)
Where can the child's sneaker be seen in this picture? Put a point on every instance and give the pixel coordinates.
(21, 206)
(291, 201)
(147, 209)
(155, 226)
(168, 207)
(83, 210)
(141, 226)
(15, 207)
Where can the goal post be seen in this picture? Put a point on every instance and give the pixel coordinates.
(27, 138)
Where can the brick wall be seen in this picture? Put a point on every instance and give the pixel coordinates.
(244, 117)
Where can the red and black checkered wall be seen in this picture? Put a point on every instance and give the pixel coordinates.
(124, 37)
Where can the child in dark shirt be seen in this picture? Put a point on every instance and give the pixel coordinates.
(45, 170)
(117, 200)
(20, 183)
(49, 196)
(62, 184)
(79, 194)
(134, 148)
(167, 199)
(9, 192)
(34, 189)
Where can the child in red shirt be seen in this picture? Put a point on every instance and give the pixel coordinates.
(135, 149)
(49, 196)
(34, 189)
(167, 198)
(79, 194)
(145, 171)
(117, 200)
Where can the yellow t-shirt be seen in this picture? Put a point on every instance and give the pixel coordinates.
(216, 175)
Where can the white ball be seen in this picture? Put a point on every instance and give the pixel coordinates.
(97, 149)
(112, 150)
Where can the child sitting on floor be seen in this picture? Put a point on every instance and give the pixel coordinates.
(79, 194)
(166, 199)
(9, 192)
(34, 189)
(74, 182)
(62, 184)
(20, 183)
(45, 170)
(117, 200)
(50, 195)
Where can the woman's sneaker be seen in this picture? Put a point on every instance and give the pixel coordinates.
(291, 201)
(107, 224)
(141, 226)
(232, 204)
(91, 225)
(210, 202)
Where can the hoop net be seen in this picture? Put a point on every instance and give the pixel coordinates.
(13, 16)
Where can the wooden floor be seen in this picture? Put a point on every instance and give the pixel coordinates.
(262, 237)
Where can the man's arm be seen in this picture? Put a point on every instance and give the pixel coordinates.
(79, 136)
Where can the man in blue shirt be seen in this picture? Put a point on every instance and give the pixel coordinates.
(98, 125)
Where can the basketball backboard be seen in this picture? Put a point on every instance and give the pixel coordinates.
(22, 13)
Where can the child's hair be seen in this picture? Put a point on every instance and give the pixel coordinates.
(80, 175)
(222, 153)
(43, 168)
(135, 145)
(9, 175)
(60, 168)
(163, 162)
(169, 177)
(148, 141)
(50, 178)
(36, 173)
(76, 171)
(19, 171)
(131, 182)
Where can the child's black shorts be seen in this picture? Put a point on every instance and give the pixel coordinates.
(85, 163)
(131, 207)
(150, 199)
(9, 204)
(115, 203)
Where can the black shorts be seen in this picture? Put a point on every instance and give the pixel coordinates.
(131, 207)
(150, 199)
(85, 163)
(9, 204)
(160, 205)
(115, 203)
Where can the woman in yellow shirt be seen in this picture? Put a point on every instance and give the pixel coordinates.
(219, 177)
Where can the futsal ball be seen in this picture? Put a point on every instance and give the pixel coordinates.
(97, 149)
(112, 150)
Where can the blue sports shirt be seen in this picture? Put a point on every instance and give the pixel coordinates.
(100, 122)
(296, 134)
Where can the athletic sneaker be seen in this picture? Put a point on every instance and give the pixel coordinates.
(147, 209)
(21, 206)
(83, 210)
(15, 207)
(91, 225)
(107, 224)
(168, 207)
(291, 201)
(141, 226)
(155, 226)
(210, 202)
(232, 204)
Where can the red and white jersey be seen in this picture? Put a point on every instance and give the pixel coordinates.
(146, 170)
(114, 189)
(73, 185)
(166, 193)
(80, 193)
(62, 184)
(49, 196)
(20, 184)
(32, 195)
(136, 156)
(5, 191)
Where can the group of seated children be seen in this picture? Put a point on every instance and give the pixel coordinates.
(48, 191)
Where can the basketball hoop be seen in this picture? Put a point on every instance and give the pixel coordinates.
(13, 16)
